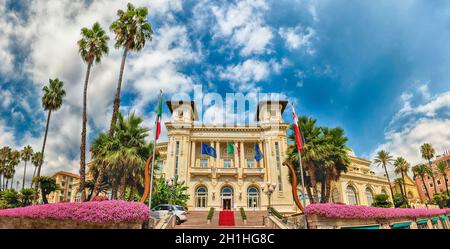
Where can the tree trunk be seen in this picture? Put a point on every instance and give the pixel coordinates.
(114, 189)
(99, 181)
(83, 137)
(389, 182)
(312, 175)
(24, 172)
(446, 185)
(117, 96)
(1, 182)
(34, 174)
(44, 196)
(132, 190)
(123, 187)
(7, 182)
(425, 187)
(404, 186)
(434, 179)
(12, 182)
(36, 196)
(328, 189)
(322, 191)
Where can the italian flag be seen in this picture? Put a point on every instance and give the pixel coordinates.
(158, 118)
(298, 135)
(231, 148)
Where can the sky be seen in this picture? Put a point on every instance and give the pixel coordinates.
(377, 69)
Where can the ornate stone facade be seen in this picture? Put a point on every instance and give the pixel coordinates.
(229, 181)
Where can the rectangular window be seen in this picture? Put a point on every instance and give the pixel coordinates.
(277, 157)
(203, 163)
(250, 163)
(177, 150)
(227, 163)
(438, 182)
(159, 165)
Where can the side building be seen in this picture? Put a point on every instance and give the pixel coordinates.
(66, 182)
(440, 180)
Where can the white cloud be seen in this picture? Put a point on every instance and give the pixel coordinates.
(51, 31)
(244, 24)
(298, 37)
(243, 75)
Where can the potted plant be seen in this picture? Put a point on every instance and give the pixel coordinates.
(243, 215)
(210, 215)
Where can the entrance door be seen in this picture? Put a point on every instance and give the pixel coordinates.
(226, 204)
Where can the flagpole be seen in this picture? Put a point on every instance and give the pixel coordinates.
(153, 160)
(301, 177)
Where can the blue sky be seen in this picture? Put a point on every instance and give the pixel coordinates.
(378, 69)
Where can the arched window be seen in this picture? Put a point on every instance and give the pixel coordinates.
(410, 195)
(335, 196)
(351, 195)
(252, 197)
(201, 197)
(369, 196)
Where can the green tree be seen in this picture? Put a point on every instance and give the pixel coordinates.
(47, 185)
(11, 164)
(92, 47)
(402, 167)
(5, 153)
(442, 168)
(381, 201)
(421, 170)
(26, 196)
(35, 160)
(428, 152)
(164, 193)
(132, 30)
(51, 101)
(26, 154)
(400, 200)
(384, 159)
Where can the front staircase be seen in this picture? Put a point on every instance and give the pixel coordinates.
(226, 218)
(198, 220)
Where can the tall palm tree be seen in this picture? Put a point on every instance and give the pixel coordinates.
(428, 152)
(402, 167)
(422, 170)
(92, 46)
(13, 161)
(383, 158)
(132, 30)
(442, 168)
(5, 153)
(51, 101)
(26, 154)
(35, 160)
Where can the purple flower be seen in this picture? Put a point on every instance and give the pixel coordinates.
(96, 211)
(332, 210)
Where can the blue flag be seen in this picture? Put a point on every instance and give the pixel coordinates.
(258, 154)
(208, 150)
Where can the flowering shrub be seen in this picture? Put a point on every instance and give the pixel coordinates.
(95, 211)
(100, 198)
(332, 210)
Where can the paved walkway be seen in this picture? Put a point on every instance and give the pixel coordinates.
(198, 220)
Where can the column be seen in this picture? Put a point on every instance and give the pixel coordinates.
(261, 162)
(218, 160)
(242, 154)
(211, 160)
(193, 154)
(236, 156)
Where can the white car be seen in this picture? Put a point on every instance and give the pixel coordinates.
(162, 210)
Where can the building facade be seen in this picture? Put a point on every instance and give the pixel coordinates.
(231, 180)
(359, 184)
(66, 182)
(411, 191)
(440, 180)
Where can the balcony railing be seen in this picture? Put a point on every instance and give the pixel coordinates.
(253, 172)
(227, 171)
(200, 171)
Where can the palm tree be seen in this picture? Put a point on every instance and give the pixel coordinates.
(383, 158)
(51, 101)
(47, 185)
(402, 167)
(315, 149)
(422, 170)
(11, 164)
(5, 153)
(92, 46)
(428, 153)
(26, 154)
(442, 168)
(131, 29)
(35, 160)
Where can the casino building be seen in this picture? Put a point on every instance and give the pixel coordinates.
(231, 181)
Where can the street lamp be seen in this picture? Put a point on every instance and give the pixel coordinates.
(269, 189)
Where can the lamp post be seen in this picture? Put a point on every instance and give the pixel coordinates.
(269, 188)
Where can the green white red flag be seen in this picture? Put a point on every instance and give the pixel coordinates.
(298, 135)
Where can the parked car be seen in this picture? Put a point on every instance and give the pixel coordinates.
(164, 209)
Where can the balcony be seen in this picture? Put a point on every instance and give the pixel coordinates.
(198, 171)
(253, 172)
(226, 172)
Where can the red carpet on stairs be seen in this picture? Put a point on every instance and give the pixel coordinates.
(226, 218)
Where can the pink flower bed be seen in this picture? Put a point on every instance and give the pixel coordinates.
(94, 211)
(331, 210)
